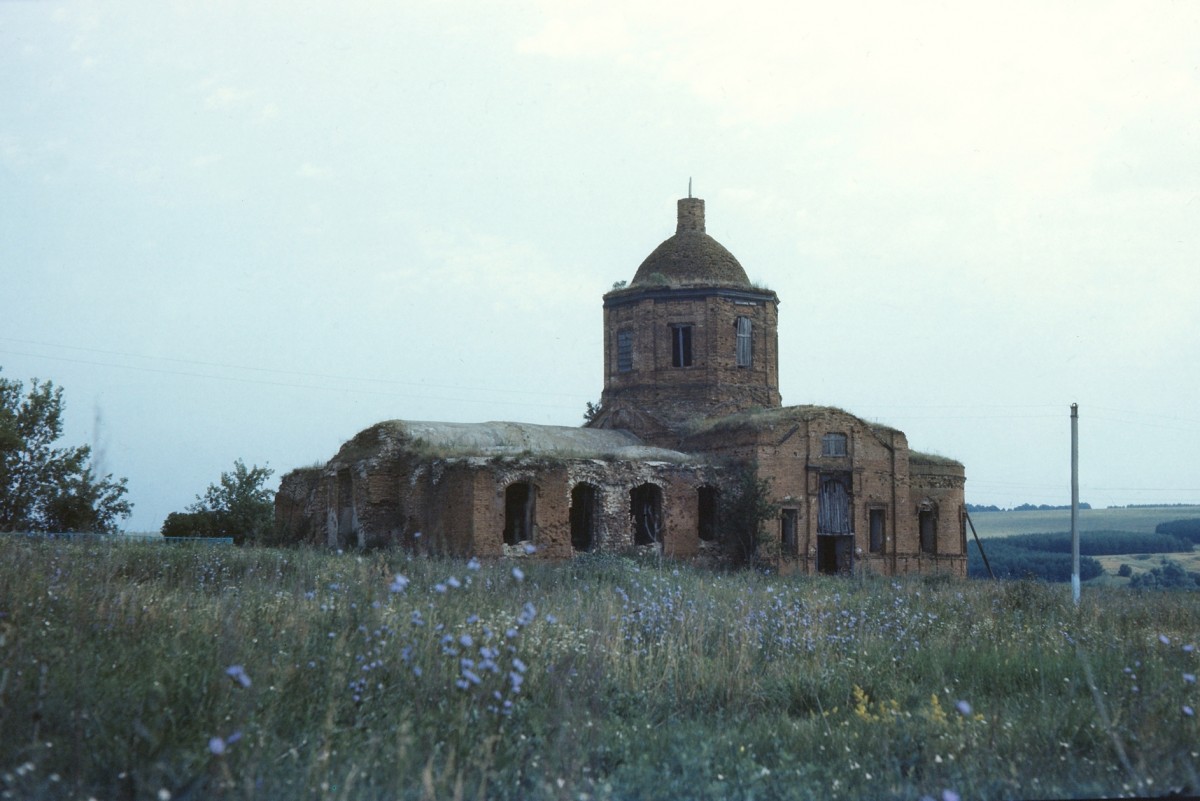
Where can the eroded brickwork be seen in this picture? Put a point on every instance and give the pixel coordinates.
(690, 400)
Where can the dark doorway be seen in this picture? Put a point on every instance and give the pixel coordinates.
(877, 518)
(345, 509)
(584, 500)
(518, 513)
(645, 507)
(706, 513)
(927, 524)
(835, 555)
(789, 537)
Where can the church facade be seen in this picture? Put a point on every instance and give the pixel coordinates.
(690, 408)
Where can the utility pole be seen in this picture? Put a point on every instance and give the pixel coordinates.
(1075, 502)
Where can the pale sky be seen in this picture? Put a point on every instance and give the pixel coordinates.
(250, 230)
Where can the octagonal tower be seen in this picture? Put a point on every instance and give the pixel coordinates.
(688, 338)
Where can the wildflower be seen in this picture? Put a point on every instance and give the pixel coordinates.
(519, 665)
(473, 564)
(471, 676)
(439, 588)
(216, 746)
(1164, 639)
(466, 641)
(518, 574)
(238, 674)
(949, 795)
(1187, 649)
(530, 548)
(453, 582)
(1190, 678)
(1187, 710)
(398, 584)
(963, 707)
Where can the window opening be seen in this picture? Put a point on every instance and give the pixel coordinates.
(346, 522)
(681, 346)
(927, 523)
(584, 502)
(745, 342)
(706, 513)
(833, 445)
(518, 513)
(789, 541)
(624, 351)
(877, 518)
(645, 508)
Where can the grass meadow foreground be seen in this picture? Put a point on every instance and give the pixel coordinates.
(152, 672)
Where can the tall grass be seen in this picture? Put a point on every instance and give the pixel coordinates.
(136, 671)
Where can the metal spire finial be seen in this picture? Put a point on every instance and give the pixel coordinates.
(689, 187)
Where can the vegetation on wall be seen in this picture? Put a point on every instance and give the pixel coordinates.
(44, 487)
(744, 507)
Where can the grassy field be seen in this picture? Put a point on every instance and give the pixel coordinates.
(163, 672)
(1003, 524)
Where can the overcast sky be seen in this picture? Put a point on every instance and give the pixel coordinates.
(250, 230)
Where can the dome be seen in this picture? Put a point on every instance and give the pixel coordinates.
(691, 257)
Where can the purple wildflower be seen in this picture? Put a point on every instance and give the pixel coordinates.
(398, 584)
(238, 674)
(1187, 710)
(963, 707)
(216, 746)
(1164, 639)
(518, 574)
(473, 564)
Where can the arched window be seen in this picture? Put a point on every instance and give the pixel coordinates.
(519, 512)
(745, 342)
(927, 527)
(645, 509)
(584, 503)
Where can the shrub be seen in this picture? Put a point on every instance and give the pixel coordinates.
(1125, 571)
(1100, 543)
(1012, 561)
(1171, 576)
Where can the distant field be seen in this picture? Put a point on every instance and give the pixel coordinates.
(1003, 524)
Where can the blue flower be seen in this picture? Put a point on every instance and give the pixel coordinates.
(963, 707)
(518, 574)
(473, 564)
(398, 584)
(238, 674)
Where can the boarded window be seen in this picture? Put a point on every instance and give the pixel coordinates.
(681, 346)
(789, 538)
(833, 513)
(745, 342)
(927, 524)
(878, 522)
(584, 498)
(645, 509)
(518, 513)
(706, 513)
(624, 351)
(833, 445)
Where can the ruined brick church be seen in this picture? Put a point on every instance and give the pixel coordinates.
(690, 403)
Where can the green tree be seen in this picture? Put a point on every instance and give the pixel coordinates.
(745, 507)
(43, 487)
(237, 506)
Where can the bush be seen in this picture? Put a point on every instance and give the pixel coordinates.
(1171, 576)
(1125, 571)
(195, 524)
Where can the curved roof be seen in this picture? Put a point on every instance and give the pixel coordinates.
(690, 257)
(492, 439)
